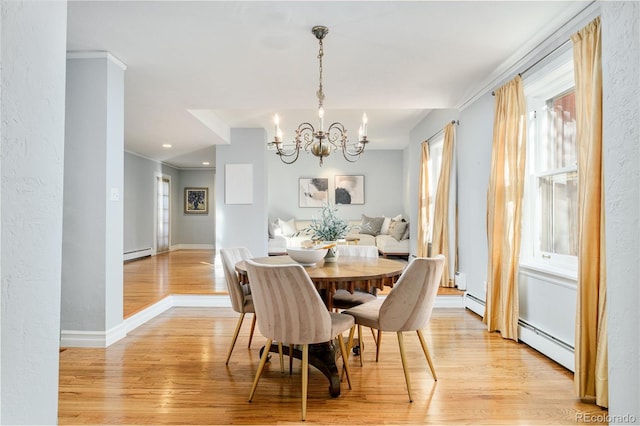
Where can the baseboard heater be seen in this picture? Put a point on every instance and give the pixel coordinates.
(545, 343)
(137, 254)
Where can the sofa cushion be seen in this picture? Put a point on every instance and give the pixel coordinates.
(388, 245)
(371, 225)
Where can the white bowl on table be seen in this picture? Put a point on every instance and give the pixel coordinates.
(306, 256)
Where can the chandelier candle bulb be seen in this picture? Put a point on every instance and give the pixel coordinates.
(276, 121)
(365, 120)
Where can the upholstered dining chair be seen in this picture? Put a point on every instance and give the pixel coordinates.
(289, 309)
(407, 307)
(241, 299)
(343, 299)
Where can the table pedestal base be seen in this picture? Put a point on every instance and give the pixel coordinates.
(322, 356)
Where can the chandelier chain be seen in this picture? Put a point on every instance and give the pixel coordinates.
(320, 93)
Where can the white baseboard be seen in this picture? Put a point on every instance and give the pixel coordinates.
(449, 302)
(192, 247)
(197, 301)
(103, 339)
(92, 339)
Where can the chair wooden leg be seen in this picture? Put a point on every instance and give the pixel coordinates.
(235, 337)
(349, 346)
(253, 327)
(375, 338)
(344, 352)
(281, 357)
(426, 354)
(305, 379)
(361, 344)
(350, 342)
(263, 360)
(405, 367)
(378, 340)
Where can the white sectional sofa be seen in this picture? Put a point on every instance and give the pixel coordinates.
(389, 235)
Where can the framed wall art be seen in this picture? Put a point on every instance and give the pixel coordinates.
(196, 200)
(313, 192)
(349, 189)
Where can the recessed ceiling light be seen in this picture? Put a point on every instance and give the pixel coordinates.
(205, 163)
(166, 145)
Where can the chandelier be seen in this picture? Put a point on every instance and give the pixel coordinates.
(320, 142)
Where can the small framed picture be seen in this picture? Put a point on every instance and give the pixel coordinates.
(349, 189)
(196, 200)
(313, 192)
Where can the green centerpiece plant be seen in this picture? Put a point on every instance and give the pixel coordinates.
(328, 227)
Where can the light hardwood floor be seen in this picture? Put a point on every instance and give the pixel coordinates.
(172, 370)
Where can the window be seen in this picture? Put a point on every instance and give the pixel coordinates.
(550, 222)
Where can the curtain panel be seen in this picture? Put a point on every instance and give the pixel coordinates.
(504, 209)
(591, 375)
(422, 249)
(444, 214)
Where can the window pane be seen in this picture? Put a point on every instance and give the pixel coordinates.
(558, 213)
(558, 148)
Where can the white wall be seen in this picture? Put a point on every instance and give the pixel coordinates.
(243, 224)
(383, 185)
(196, 229)
(475, 135)
(621, 135)
(140, 200)
(140, 203)
(32, 116)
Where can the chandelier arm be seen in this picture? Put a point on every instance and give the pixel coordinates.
(285, 155)
(305, 132)
(337, 131)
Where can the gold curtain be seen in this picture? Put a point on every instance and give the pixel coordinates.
(423, 204)
(440, 237)
(591, 376)
(504, 209)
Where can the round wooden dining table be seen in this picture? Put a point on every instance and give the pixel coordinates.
(348, 273)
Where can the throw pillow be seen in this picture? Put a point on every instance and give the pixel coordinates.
(405, 236)
(371, 225)
(274, 228)
(288, 228)
(384, 229)
(397, 229)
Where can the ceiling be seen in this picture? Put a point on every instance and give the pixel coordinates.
(196, 69)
